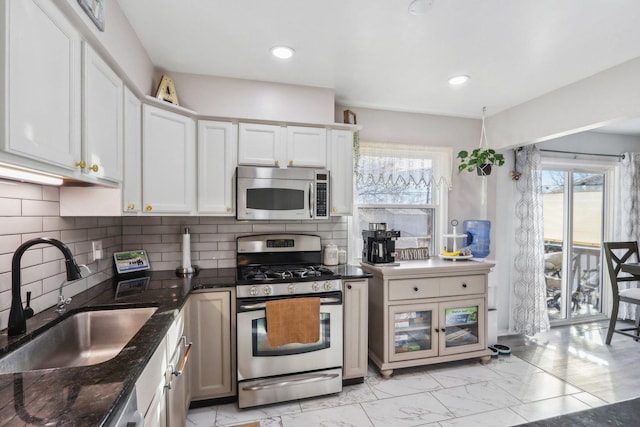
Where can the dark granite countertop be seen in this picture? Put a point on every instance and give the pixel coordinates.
(92, 395)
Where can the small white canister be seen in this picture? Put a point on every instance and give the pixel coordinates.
(330, 254)
(342, 256)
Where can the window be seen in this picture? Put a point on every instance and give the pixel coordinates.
(403, 186)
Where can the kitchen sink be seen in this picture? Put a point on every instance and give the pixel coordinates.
(83, 339)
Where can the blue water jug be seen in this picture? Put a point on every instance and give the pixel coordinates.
(478, 236)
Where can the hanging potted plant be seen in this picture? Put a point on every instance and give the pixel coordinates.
(482, 158)
(479, 159)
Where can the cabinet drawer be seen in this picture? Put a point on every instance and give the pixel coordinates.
(413, 288)
(462, 285)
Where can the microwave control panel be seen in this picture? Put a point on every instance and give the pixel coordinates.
(322, 195)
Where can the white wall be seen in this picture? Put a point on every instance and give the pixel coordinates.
(237, 98)
(597, 100)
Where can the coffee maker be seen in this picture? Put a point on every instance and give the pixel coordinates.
(379, 245)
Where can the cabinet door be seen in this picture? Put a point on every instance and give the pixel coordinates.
(102, 118)
(150, 387)
(217, 161)
(462, 326)
(341, 167)
(356, 297)
(306, 147)
(259, 145)
(413, 331)
(132, 181)
(211, 364)
(168, 162)
(42, 84)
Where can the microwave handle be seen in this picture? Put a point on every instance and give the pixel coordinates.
(311, 199)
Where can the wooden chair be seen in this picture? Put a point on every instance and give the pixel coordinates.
(618, 253)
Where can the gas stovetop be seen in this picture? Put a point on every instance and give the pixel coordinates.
(274, 273)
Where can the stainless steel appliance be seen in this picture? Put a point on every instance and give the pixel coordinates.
(284, 194)
(379, 246)
(275, 267)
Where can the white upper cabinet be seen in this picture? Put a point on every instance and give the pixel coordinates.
(42, 83)
(102, 119)
(132, 180)
(217, 161)
(168, 162)
(259, 145)
(341, 168)
(273, 145)
(306, 147)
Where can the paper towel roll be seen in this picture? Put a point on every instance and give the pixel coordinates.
(186, 249)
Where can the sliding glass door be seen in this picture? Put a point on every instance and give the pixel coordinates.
(573, 211)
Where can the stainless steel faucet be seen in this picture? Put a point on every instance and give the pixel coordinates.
(17, 321)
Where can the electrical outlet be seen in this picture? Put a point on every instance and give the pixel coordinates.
(96, 250)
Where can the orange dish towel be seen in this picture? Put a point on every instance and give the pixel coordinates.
(293, 320)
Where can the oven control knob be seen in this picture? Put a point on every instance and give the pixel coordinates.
(315, 286)
(253, 291)
(267, 290)
(328, 286)
(292, 289)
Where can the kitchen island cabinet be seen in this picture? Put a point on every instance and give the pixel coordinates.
(425, 312)
(212, 327)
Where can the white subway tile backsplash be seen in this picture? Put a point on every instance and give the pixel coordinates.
(20, 225)
(50, 193)
(40, 208)
(10, 207)
(8, 244)
(58, 223)
(269, 228)
(307, 228)
(20, 190)
(70, 236)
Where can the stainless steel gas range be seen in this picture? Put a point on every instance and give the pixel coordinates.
(274, 268)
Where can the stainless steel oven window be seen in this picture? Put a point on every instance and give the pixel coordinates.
(261, 346)
(280, 199)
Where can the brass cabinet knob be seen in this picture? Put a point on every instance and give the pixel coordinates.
(290, 162)
(94, 168)
(228, 209)
(277, 162)
(131, 206)
(82, 164)
(334, 209)
(149, 208)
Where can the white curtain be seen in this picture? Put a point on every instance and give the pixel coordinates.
(626, 212)
(529, 295)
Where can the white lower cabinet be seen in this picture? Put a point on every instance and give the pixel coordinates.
(212, 326)
(355, 303)
(162, 389)
(168, 162)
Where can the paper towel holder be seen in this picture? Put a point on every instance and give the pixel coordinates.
(187, 271)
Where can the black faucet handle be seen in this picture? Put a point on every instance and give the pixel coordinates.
(28, 311)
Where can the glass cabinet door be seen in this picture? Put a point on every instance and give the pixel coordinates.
(462, 326)
(411, 330)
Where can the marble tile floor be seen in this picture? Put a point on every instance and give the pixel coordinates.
(507, 391)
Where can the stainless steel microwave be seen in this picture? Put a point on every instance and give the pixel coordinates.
(284, 194)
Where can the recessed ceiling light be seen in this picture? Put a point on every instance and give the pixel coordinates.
(282, 52)
(420, 7)
(458, 80)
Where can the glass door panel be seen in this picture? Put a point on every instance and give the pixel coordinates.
(462, 326)
(573, 209)
(411, 331)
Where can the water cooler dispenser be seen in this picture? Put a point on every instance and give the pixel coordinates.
(478, 236)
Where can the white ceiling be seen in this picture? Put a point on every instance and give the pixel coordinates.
(377, 55)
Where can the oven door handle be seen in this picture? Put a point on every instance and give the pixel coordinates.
(262, 305)
(298, 379)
